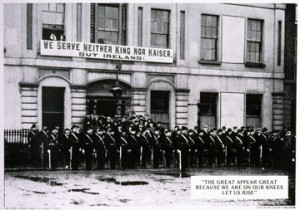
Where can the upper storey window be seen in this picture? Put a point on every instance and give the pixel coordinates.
(254, 41)
(53, 21)
(160, 21)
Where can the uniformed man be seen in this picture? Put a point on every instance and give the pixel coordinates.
(44, 139)
(220, 147)
(167, 147)
(144, 148)
(34, 144)
(53, 149)
(192, 147)
(182, 146)
(156, 147)
(133, 152)
(66, 145)
(228, 142)
(111, 145)
(239, 147)
(75, 145)
(200, 145)
(253, 149)
(211, 146)
(87, 144)
(99, 145)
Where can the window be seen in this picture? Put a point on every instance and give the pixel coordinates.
(182, 34)
(208, 109)
(253, 110)
(254, 41)
(140, 26)
(209, 37)
(160, 20)
(53, 21)
(208, 104)
(108, 23)
(279, 43)
(160, 107)
(29, 26)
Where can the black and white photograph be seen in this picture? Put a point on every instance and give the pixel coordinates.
(120, 104)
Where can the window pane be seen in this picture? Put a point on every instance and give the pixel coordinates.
(258, 36)
(214, 32)
(165, 28)
(208, 20)
(153, 15)
(208, 32)
(153, 39)
(213, 55)
(108, 12)
(203, 20)
(52, 7)
(165, 16)
(115, 25)
(114, 37)
(115, 13)
(101, 24)
(108, 24)
(101, 12)
(60, 7)
(214, 22)
(203, 31)
(212, 44)
(154, 27)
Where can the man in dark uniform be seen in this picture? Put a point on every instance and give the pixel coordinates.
(66, 144)
(53, 149)
(258, 150)
(44, 138)
(133, 153)
(99, 144)
(124, 147)
(253, 149)
(239, 147)
(144, 148)
(289, 151)
(266, 159)
(111, 145)
(228, 142)
(87, 144)
(192, 148)
(182, 146)
(167, 147)
(211, 146)
(156, 146)
(200, 145)
(75, 145)
(34, 144)
(220, 147)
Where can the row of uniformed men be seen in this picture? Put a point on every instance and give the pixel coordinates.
(139, 145)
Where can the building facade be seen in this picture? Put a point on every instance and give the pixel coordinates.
(227, 65)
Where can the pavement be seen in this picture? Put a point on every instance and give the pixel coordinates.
(130, 187)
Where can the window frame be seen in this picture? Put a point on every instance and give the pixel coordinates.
(254, 105)
(59, 28)
(248, 61)
(210, 104)
(159, 33)
(203, 36)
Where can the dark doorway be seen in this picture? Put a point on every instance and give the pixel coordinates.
(160, 107)
(105, 106)
(53, 106)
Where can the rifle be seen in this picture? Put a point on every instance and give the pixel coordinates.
(249, 158)
(49, 151)
(152, 154)
(180, 161)
(42, 154)
(121, 156)
(226, 154)
(141, 156)
(164, 157)
(71, 156)
(260, 153)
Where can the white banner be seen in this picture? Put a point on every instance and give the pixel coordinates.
(239, 187)
(105, 51)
